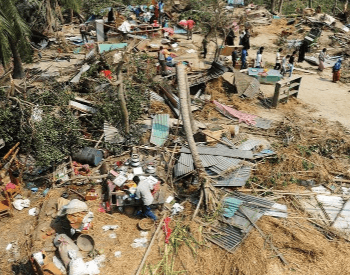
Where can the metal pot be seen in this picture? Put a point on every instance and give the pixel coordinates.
(151, 169)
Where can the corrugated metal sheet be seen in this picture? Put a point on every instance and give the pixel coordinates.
(237, 178)
(225, 163)
(239, 138)
(249, 144)
(208, 160)
(253, 201)
(160, 129)
(222, 146)
(180, 170)
(240, 220)
(186, 159)
(233, 153)
(264, 153)
(231, 205)
(225, 139)
(154, 96)
(252, 89)
(263, 123)
(112, 134)
(229, 238)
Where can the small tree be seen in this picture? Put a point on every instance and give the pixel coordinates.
(13, 34)
(73, 6)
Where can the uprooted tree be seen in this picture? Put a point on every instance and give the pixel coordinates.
(207, 192)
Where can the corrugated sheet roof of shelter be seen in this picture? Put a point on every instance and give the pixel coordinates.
(160, 129)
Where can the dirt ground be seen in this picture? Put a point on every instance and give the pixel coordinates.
(306, 249)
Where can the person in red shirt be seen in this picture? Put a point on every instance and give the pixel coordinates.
(190, 25)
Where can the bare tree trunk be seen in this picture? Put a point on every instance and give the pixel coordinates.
(71, 13)
(186, 119)
(58, 8)
(121, 97)
(49, 17)
(193, 124)
(273, 4)
(18, 71)
(310, 4)
(346, 5)
(280, 6)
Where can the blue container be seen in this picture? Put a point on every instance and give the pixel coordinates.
(88, 155)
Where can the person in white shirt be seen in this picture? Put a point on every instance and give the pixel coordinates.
(278, 59)
(143, 191)
(258, 61)
(284, 64)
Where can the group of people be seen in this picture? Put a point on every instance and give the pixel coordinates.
(284, 63)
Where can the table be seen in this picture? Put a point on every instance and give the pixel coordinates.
(272, 75)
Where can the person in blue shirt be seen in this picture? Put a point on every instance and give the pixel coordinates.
(244, 58)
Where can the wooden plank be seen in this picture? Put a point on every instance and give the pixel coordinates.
(304, 71)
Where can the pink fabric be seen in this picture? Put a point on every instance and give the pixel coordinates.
(9, 186)
(242, 117)
(169, 30)
(167, 229)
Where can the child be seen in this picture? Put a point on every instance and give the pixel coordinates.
(278, 59)
(284, 64)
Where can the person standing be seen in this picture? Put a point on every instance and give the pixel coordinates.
(111, 16)
(291, 63)
(284, 64)
(244, 58)
(246, 39)
(321, 59)
(230, 38)
(258, 61)
(143, 192)
(234, 57)
(205, 47)
(278, 59)
(241, 35)
(83, 32)
(156, 12)
(190, 25)
(336, 71)
(302, 50)
(162, 54)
